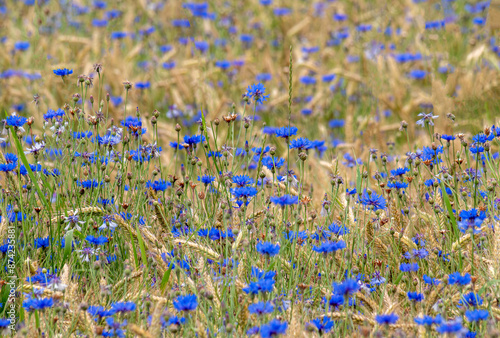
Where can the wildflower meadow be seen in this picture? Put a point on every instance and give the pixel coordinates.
(257, 168)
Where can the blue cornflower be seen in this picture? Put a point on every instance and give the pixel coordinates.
(448, 138)
(329, 246)
(351, 192)
(174, 320)
(263, 77)
(96, 240)
(301, 144)
(372, 200)
(51, 114)
(242, 180)
(417, 74)
(215, 234)
(286, 132)
(323, 325)
(273, 328)
(471, 300)
(8, 167)
(143, 85)
(42, 242)
(15, 121)
(118, 35)
(420, 253)
(260, 274)
(115, 328)
(387, 319)
(261, 308)
(21, 45)
(38, 304)
(206, 179)
(452, 326)
(4, 322)
(338, 229)
(285, 200)
(430, 280)
(273, 163)
(262, 285)
(291, 235)
(397, 185)
(456, 278)
(253, 330)
(476, 315)
(350, 161)
(336, 123)
(84, 134)
(123, 307)
(482, 138)
(244, 192)
(347, 287)
(99, 311)
(308, 80)
(471, 220)
(186, 303)
(63, 72)
(415, 296)
(282, 11)
(132, 122)
(328, 78)
(88, 184)
(256, 91)
(10, 158)
(14, 216)
(211, 153)
(160, 185)
(476, 149)
(268, 249)
(428, 320)
(195, 139)
(408, 267)
(399, 171)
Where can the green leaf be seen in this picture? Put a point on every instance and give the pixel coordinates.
(136, 258)
(142, 247)
(165, 279)
(447, 203)
(68, 244)
(33, 178)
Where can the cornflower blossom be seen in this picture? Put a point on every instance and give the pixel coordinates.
(73, 221)
(256, 92)
(268, 249)
(63, 72)
(387, 319)
(108, 223)
(286, 132)
(186, 303)
(372, 200)
(426, 118)
(87, 253)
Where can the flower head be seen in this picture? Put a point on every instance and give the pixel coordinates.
(63, 72)
(286, 132)
(268, 249)
(285, 200)
(372, 200)
(256, 91)
(186, 303)
(387, 319)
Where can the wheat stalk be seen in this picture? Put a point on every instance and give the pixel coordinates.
(207, 252)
